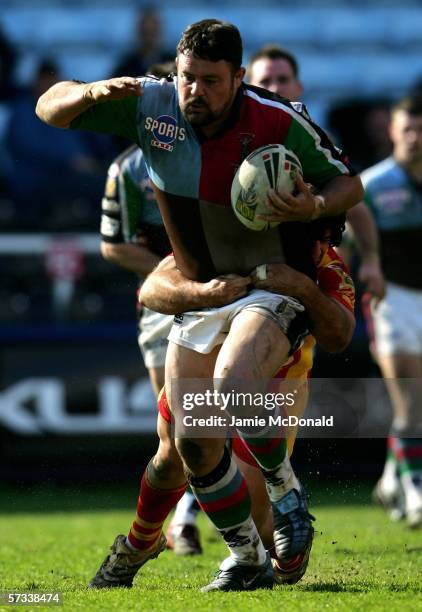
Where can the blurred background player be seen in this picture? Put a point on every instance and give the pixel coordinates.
(393, 193)
(277, 70)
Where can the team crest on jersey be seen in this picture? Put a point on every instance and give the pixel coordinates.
(165, 131)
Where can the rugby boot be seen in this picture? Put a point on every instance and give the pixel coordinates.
(235, 577)
(184, 540)
(120, 567)
(391, 499)
(293, 536)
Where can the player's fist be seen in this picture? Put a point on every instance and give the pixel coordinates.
(225, 289)
(112, 89)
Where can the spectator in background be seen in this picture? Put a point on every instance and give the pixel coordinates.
(148, 49)
(54, 177)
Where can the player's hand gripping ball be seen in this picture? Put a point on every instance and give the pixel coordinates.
(269, 167)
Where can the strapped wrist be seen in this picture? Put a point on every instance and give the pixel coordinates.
(320, 207)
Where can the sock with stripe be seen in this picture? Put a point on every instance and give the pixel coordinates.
(408, 454)
(390, 476)
(153, 507)
(273, 459)
(224, 497)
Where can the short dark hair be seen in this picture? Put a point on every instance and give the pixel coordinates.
(272, 52)
(411, 104)
(336, 225)
(213, 40)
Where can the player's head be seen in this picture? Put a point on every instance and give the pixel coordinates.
(277, 70)
(406, 129)
(209, 58)
(326, 232)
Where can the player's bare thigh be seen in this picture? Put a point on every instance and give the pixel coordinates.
(255, 348)
(200, 455)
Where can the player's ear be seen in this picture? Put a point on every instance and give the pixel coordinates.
(239, 75)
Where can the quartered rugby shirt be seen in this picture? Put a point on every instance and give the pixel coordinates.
(396, 203)
(192, 176)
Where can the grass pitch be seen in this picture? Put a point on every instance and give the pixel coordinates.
(54, 540)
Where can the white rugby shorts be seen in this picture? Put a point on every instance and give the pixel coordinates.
(154, 328)
(202, 330)
(397, 321)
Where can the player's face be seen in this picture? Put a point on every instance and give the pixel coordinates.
(321, 246)
(277, 76)
(206, 89)
(406, 134)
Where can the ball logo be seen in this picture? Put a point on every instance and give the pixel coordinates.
(165, 131)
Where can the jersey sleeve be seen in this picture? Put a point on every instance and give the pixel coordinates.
(111, 212)
(115, 117)
(335, 281)
(124, 197)
(321, 160)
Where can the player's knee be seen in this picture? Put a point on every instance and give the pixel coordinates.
(166, 465)
(199, 456)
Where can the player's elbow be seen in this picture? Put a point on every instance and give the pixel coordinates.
(154, 297)
(43, 112)
(358, 190)
(110, 252)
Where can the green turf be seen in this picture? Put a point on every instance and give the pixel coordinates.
(360, 561)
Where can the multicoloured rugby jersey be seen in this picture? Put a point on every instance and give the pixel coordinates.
(396, 203)
(129, 207)
(192, 176)
(335, 281)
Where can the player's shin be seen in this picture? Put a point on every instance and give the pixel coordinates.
(153, 507)
(272, 457)
(224, 497)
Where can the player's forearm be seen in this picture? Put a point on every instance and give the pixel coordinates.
(332, 325)
(137, 259)
(365, 232)
(171, 293)
(62, 103)
(339, 195)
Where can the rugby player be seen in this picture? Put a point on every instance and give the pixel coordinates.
(194, 132)
(393, 195)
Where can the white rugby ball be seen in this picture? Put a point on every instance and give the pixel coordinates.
(269, 167)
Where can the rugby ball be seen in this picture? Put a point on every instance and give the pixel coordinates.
(269, 167)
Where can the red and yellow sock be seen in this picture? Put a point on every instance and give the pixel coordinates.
(154, 505)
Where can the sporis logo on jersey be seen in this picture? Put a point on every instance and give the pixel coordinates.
(165, 131)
